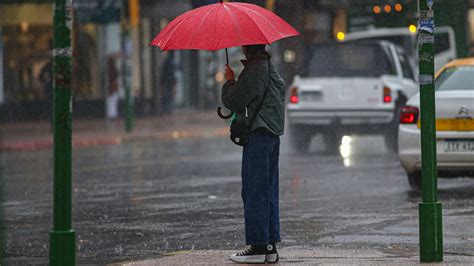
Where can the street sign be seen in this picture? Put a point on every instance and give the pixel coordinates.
(429, 3)
(97, 11)
(427, 25)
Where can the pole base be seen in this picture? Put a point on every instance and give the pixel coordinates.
(431, 232)
(62, 248)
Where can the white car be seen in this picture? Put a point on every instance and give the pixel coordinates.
(349, 88)
(454, 121)
(445, 42)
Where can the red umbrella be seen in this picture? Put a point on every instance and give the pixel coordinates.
(223, 25)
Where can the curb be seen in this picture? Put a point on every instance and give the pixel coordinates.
(83, 141)
(296, 256)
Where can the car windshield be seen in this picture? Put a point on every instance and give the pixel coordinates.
(348, 60)
(456, 78)
(405, 41)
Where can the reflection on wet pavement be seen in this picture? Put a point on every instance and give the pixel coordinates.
(142, 200)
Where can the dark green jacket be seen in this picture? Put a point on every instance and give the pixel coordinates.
(248, 92)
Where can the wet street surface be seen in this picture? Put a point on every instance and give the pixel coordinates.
(143, 200)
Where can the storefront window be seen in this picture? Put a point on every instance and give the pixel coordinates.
(85, 75)
(26, 54)
(27, 57)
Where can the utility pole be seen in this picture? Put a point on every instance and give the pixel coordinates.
(62, 237)
(127, 27)
(430, 219)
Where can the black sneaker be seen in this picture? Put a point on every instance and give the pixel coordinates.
(272, 254)
(253, 254)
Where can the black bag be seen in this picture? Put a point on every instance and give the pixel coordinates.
(241, 126)
(240, 129)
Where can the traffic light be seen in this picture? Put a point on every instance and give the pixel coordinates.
(134, 12)
(388, 8)
(270, 5)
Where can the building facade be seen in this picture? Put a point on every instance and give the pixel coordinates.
(26, 34)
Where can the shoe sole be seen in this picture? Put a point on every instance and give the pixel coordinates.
(272, 258)
(260, 259)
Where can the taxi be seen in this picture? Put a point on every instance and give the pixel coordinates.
(454, 90)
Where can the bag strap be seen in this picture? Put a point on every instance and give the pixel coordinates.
(252, 120)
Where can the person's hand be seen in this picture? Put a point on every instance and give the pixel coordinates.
(229, 73)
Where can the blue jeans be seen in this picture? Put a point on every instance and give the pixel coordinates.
(260, 188)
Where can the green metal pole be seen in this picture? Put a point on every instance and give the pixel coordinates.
(430, 220)
(126, 71)
(128, 110)
(128, 94)
(62, 237)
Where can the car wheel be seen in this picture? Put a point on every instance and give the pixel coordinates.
(414, 179)
(300, 137)
(332, 140)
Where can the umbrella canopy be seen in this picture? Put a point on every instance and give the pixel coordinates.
(223, 25)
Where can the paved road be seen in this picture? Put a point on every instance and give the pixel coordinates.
(142, 200)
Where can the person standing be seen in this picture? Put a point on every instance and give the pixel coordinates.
(113, 93)
(260, 168)
(168, 83)
(46, 77)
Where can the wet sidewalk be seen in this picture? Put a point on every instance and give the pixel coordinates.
(297, 256)
(37, 135)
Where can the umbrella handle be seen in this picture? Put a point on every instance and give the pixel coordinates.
(227, 55)
(219, 109)
(219, 113)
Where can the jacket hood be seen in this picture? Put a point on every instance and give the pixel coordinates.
(257, 57)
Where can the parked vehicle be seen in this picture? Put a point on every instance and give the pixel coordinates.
(445, 42)
(346, 88)
(454, 125)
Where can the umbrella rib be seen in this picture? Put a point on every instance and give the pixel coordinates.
(235, 23)
(165, 42)
(256, 26)
(258, 14)
(202, 20)
(180, 21)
